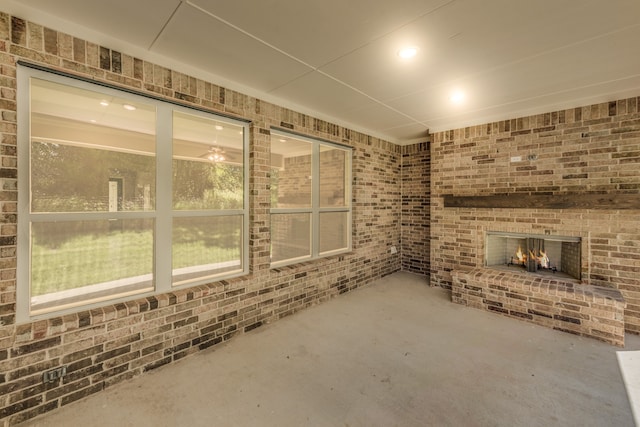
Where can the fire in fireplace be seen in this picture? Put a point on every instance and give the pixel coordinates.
(543, 254)
(534, 257)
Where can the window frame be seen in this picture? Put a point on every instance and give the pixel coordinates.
(315, 210)
(163, 213)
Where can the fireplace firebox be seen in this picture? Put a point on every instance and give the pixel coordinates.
(534, 253)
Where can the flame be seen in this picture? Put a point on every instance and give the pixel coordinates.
(543, 259)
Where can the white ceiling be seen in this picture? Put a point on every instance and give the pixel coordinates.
(337, 59)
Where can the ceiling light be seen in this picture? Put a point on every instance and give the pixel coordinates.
(129, 107)
(215, 154)
(457, 97)
(408, 52)
(282, 140)
(215, 157)
(218, 127)
(104, 103)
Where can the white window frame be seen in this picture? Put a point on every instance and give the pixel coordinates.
(163, 213)
(315, 210)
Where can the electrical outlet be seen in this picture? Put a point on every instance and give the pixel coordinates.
(54, 374)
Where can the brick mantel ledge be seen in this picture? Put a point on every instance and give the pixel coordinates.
(584, 310)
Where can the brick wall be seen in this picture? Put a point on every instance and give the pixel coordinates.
(571, 258)
(592, 149)
(416, 219)
(103, 346)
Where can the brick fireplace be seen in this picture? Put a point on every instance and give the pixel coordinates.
(572, 173)
(555, 256)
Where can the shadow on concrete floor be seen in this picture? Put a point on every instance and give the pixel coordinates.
(395, 353)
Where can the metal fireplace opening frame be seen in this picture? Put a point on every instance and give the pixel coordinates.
(539, 253)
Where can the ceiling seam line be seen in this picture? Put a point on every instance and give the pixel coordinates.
(504, 104)
(165, 25)
(557, 49)
(291, 81)
(248, 34)
(429, 12)
(377, 101)
(517, 61)
(235, 27)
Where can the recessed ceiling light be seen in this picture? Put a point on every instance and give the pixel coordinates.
(282, 140)
(129, 107)
(457, 97)
(104, 103)
(218, 127)
(93, 121)
(408, 52)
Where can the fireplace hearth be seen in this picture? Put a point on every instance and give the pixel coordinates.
(534, 253)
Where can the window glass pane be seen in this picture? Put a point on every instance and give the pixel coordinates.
(207, 163)
(290, 172)
(290, 236)
(333, 176)
(333, 231)
(205, 246)
(80, 261)
(90, 152)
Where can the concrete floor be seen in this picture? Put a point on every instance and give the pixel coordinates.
(396, 353)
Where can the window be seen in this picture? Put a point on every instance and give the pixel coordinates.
(208, 198)
(122, 195)
(310, 198)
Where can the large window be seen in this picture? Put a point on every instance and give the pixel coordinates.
(122, 195)
(310, 198)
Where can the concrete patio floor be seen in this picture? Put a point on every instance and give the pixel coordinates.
(395, 353)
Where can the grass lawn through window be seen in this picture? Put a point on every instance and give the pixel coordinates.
(88, 259)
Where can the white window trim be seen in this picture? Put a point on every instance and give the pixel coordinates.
(164, 211)
(315, 210)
